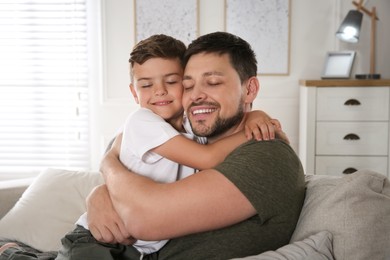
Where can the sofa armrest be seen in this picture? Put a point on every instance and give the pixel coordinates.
(10, 192)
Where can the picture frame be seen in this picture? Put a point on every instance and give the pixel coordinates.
(266, 26)
(180, 19)
(338, 64)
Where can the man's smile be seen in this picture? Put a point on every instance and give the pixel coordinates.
(203, 111)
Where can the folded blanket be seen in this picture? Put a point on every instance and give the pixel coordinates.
(26, 248)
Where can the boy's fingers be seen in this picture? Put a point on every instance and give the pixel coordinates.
(276, 123)
(257, 134)
(264, 131)
(252, 133)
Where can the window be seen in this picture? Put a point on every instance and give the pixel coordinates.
(43, 86)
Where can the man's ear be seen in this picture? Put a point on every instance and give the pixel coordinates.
(133, 92)
(252, 87)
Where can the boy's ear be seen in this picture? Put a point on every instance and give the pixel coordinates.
(134, 93)
(252, 88)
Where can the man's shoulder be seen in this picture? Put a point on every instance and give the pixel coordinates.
(271, 147)
(259, 157)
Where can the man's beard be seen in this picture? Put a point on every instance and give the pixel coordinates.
(221, 125)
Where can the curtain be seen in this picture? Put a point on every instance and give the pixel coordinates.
(43, 86)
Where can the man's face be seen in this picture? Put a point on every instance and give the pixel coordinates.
(213, 95)
(157, 85)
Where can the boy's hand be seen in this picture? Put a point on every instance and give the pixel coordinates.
(282, 135)
(260, 126)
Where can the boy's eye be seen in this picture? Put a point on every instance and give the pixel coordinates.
(171, 82)
(146, 85)
(172, 79)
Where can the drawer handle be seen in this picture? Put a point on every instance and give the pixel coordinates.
(349, 170)
(352, 102)
(351, 137)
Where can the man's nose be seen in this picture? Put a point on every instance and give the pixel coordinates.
(198, 94)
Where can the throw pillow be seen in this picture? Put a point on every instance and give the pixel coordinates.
(318, 247)
(49, 208)
(354, 208)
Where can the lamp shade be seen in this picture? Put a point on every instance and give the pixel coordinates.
(350, 28)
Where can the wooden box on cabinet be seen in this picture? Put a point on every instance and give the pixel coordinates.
(344, 126)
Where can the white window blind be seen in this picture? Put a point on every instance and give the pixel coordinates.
(43, 86)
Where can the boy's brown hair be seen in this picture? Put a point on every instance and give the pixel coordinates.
(156, 46)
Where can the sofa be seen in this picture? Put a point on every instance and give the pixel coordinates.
(343, 217)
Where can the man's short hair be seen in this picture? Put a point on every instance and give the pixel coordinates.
(241, 55)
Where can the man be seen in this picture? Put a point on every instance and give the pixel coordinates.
(152, 133)
(246, 205)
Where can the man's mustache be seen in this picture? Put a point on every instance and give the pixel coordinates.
(202, 103)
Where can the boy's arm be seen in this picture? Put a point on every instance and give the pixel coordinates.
(190, 153)
(187, 152)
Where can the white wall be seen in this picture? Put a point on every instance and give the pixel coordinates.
(313, 24)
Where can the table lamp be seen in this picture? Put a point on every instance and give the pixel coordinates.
(349, 31)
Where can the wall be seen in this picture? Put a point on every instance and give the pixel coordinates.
(313, 24)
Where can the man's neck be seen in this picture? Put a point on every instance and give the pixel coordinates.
(235, 129)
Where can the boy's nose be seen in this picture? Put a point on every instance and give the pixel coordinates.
(160, 90)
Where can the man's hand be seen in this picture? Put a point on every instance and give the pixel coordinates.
(103, 221)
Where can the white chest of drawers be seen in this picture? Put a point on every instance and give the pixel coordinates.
(344, 126)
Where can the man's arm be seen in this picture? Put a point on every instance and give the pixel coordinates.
(103, 221)
(154, 211)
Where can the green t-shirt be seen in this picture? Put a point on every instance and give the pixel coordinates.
(270, 175)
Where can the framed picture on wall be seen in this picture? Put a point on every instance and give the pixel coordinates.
(338, 64)
(177, 18)
(266, 26)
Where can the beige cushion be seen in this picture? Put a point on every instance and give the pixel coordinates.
(9, 195)
(355, 209)
(315, 247)
(49, 208)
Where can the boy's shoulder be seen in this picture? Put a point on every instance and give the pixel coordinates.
(143, 114)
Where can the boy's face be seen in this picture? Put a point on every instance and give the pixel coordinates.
(157, 85)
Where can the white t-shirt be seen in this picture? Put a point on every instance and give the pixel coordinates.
(142, 132)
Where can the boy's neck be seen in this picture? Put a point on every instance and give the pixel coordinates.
(177, 123)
